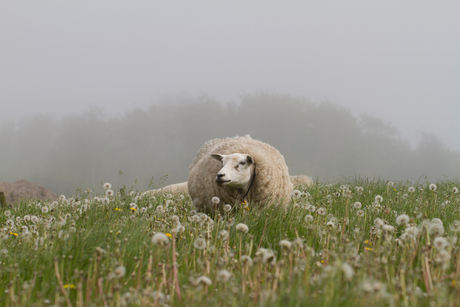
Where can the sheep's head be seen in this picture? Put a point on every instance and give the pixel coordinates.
(236, 170)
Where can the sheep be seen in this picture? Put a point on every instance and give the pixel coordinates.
(297, 180)
(301, 180)
(250, 171)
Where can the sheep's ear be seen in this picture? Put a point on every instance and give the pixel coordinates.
(249, 159)
(217, 157)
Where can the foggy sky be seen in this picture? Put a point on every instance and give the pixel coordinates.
(397, 60)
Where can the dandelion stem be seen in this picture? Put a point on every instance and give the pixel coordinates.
(61, 285)
(263, 232)
(176, 280)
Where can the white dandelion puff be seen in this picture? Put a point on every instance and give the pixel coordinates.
(321, 211)
(347, 270)
(242, 228)
(440, 243)
(160, 239)
(296, 194)
(455, 226)
(436, 229)
(223, 276)
(357, 205)
(199, 243)
(432, 187)
(107, 186)
(285, 244)
(308, 218)
(215, 200)
(402, 219)
(411, 189)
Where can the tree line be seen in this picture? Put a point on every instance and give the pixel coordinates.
(143, 146)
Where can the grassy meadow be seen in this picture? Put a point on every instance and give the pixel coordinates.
(354, 243)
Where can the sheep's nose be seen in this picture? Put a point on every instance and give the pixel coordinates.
(219, 175)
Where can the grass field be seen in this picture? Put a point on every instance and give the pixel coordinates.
(355, 243)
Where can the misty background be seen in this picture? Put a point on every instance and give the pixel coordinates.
(320, 140)
(341, 88)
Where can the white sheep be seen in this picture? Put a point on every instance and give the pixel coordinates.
(297, 180)
(249, 171)
(301, 180)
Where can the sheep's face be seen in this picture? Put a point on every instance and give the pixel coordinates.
(236, 170)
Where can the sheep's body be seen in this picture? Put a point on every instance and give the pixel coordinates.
(271, 182)
(300, 180)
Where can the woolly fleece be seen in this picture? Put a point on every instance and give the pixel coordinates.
(271, 183)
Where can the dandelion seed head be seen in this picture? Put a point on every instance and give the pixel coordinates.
(440, 243)
(227, 208)
(105, 201)
(321, 211)
(199, 243)
(246, 260)
(443, 256)
(402, 219)
(223, 276)
(45, 209)
(203, 280)
(455, 226)
(7, 213)
(357, 205)
(411, 189)
(215, 200)
(436, 229)
(455, 190)
(308, 218)
(120, 271)
(432, 187)
(285, 244)
(347, 270)
(223, 234)
(109, 193)
(160, 239)
(242, 228)
(388, 228)
(379, 222)
(296, 194)
(436, 220)
(378, 198)
(107, 186)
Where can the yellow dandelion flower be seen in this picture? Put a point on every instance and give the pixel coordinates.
(368, 248)
(118, 209)
(169, 235)
(13, 233)
(134, 209)
(71, 286)
(366, 242)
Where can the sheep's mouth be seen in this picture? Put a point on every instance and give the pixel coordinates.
(222, 182)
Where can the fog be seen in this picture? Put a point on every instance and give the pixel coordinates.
(322, 140)
(90, 88)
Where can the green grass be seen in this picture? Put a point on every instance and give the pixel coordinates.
(103, 253)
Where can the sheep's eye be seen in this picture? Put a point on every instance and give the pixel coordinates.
(242, 163)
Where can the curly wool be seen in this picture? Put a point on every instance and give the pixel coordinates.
(271, 183)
